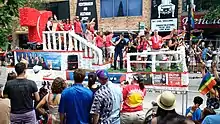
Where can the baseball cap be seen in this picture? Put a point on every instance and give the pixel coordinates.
(37, 68)
(102, 74)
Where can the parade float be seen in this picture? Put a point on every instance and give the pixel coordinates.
(64, 51)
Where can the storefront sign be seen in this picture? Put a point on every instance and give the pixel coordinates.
(174, 79)
(201, 22)
(86, 10)
(164, 14)
(164, 24)
(160, 79)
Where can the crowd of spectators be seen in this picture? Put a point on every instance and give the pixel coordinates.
(96, 103)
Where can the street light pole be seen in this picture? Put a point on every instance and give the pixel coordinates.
(189, 22)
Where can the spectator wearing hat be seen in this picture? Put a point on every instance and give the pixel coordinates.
(107, 101)
(133, 97)
(119, 46)
(166, 105)
(20, 92)
(5, 108)
(76, 101)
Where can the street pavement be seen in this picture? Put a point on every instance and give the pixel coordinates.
(193, 92)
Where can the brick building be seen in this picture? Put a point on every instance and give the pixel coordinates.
(125, 22)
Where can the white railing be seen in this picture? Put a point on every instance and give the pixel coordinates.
(180, 53)
(69, 41)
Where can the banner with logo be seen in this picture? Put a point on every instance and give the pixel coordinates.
(48, 60)
(164, 15)
(86, 10)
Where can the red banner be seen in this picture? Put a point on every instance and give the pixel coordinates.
(174, 79)
(201, 22)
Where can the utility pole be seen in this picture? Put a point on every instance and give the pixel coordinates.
(189, 22)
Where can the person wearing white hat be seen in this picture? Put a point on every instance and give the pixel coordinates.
(166, 105)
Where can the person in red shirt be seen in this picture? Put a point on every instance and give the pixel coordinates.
(156, 41)
(133, 97)
(109, 46)
(77, 26)
(143, 45)
(100, 42)
(60, 26)
(68, 25)
(156, 45)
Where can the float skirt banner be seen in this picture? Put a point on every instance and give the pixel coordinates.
(48, 60)
(164, 15)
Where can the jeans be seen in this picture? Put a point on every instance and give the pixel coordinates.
(120, 54)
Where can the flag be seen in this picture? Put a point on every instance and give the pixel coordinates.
(208, 82)
(192, 16)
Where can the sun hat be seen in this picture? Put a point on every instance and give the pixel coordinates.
(102, 74)
(166, 100)
(37, 68)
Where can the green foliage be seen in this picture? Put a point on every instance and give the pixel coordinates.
(213, 13)
(9, 17)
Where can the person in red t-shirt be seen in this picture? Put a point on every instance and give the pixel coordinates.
(100, 42)
(133, 97)
(60, 26)
(143, 45)
(77, 26)
(156, 45)
(109, 46)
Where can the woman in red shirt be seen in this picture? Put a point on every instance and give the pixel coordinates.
(100, 42)
(142, 47)
(109, 46)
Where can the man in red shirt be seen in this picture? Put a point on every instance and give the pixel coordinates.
(157, 44)
(77, 26)
(133, 97)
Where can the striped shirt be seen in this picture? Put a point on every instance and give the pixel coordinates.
(103, 104)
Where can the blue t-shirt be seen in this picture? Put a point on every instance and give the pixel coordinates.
(211, 119)
(204, 54)
(120, 45)
(117, 100)
(76, 103)
(196, 115)
(84, 26)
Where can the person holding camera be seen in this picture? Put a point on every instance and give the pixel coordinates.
(119, 46)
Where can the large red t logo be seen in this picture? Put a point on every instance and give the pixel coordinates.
(35, 21)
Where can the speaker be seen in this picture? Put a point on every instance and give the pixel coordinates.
(72, 61)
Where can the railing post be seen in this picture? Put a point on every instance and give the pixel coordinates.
(90, 52)
(70, 43)
(86, 51)
(75, 44)
(54, 41)
(48, 40)
(44, 42)
(60, 41)
(153, 62)
(80, 46)
(128, 63)
(64, 37)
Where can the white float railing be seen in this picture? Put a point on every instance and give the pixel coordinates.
(69, 41)
(180, 53)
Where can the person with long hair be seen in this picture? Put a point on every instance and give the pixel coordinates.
(52, 99)
(133, 97)
(166, 105)
(92, 77)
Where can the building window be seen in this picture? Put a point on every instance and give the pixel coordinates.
(60, 9)
(120, 8)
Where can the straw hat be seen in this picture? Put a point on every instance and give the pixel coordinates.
(166, 100)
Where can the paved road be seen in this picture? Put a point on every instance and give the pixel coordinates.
(193, 86)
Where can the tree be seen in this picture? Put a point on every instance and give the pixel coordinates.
(213, 7)
(9, 17)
